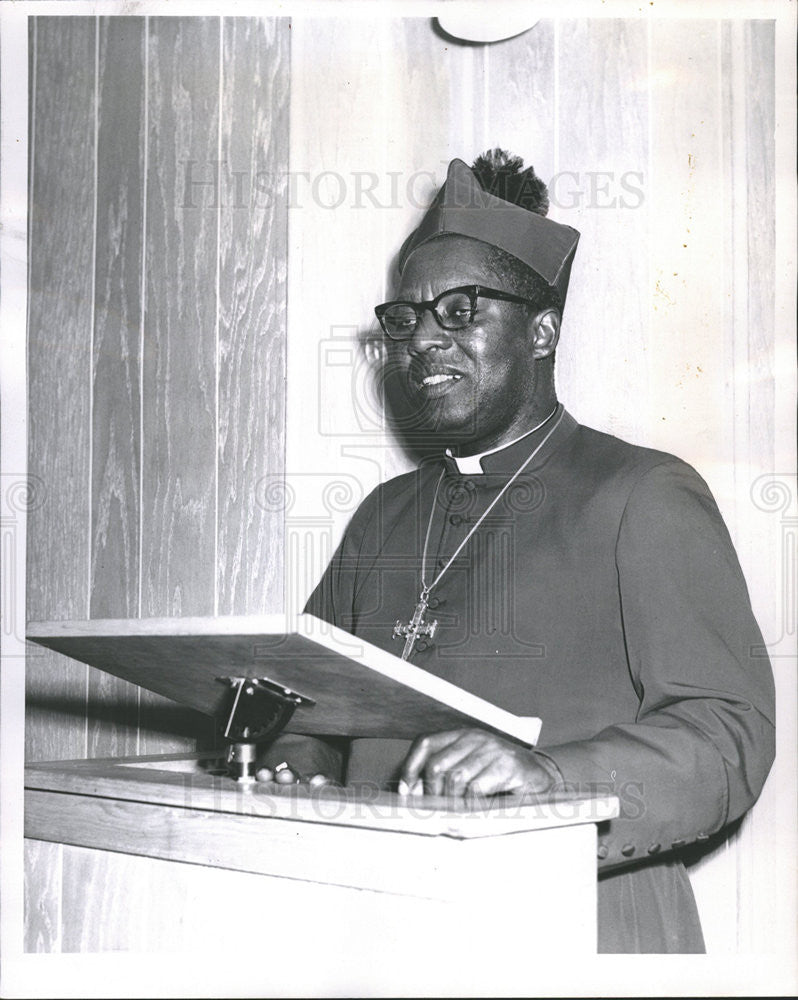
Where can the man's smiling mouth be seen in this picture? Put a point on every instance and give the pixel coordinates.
(440, 378)
(434, 382)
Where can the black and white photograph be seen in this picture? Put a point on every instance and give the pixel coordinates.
(399, 510)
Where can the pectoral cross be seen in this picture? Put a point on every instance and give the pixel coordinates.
(416, 627)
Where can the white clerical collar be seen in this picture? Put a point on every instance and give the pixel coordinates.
(471, 465)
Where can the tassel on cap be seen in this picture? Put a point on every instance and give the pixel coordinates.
(503, 174)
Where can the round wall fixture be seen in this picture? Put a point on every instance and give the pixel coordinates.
(482, 22)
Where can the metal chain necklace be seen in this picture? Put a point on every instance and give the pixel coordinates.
(417, 627)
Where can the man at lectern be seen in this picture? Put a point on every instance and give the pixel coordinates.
(549, 568)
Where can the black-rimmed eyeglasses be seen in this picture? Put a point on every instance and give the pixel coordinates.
(453, 309)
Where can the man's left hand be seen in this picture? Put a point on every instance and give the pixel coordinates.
(474, 762)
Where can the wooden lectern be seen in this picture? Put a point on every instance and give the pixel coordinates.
(339, 891)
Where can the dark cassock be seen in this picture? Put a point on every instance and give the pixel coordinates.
(552, 569)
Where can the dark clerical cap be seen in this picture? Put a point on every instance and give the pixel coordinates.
(463, 208)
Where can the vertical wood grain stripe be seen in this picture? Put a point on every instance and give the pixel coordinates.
(603, 148)
(113, 704)
(179, 345)
(43, 923)
(122, 891)
(735, 263)
(60, 308)
(179, 336)
(521, 98)
(337, 261)
(760, 877)
(252, 313)
(760, 146)
(685, 351)
(115, 428)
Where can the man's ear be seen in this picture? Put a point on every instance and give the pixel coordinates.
(545, 331)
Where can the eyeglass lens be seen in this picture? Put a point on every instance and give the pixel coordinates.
(454, 310)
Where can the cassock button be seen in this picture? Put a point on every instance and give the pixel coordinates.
(702, 836)
(423, 644)
(628, 850)
(679, 843)
(654, 848)
(434, 602)
(602, 851)
(455, 519)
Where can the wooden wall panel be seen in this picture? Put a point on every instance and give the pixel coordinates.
(59, 351)
(341, 216)
(252, 263)
(749, 51)
(429, 80)
(179, 370)
(116, 442)
(116, 415)
(684, 352)
(760, 222)
(522, 96)
(603, 151)
(157, 404)
(179, 388)
(43, 918)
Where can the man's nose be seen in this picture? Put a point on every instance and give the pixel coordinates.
(428, 334)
